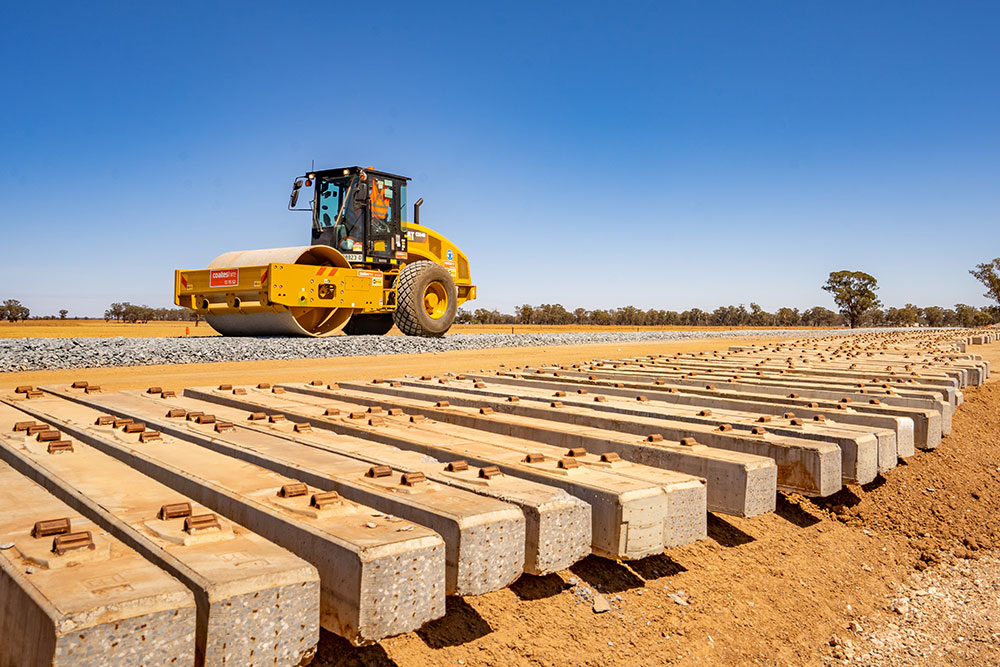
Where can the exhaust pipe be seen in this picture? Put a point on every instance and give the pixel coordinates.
(416, 210)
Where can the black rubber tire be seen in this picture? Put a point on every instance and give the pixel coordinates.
(369, 325)
(410, 316)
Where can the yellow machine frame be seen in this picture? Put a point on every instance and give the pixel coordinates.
(276, 286)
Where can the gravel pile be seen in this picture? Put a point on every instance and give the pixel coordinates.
(30, 354)
(947, 615)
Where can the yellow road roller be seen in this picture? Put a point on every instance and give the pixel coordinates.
(366, 269)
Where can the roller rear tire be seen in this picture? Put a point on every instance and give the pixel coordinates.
(369, 325)
(426, 300)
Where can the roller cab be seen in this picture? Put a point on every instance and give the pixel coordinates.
(358, 212)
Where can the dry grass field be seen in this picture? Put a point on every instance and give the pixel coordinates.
(102, 329)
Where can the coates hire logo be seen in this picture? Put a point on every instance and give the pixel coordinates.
(224, 278)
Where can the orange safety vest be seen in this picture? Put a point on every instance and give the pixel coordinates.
(380, 204)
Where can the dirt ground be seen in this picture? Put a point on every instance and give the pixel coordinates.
(814, 583)
(902, 571)
(102, 329)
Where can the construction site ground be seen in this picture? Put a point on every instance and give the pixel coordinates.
(839, 580)
(902, 571)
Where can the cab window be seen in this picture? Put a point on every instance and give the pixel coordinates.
(330, 197)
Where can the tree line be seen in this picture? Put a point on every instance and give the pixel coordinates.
(961, 315)
(13, 310)
(130, 312)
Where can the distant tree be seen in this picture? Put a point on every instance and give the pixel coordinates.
(63, 313)
(730, 316)
(933, 316)
(720, 316)
(989, 275)
(601, 317)
(854, 293)
(525, 314)
(788, 317)
(661, 318)
(629, 316)
(116, 312)
(12, 310)
(910, 314)
(875, 317)
(966, 315)
(581, 315)
(129, 312)
(550, 313)
(818, 316)
(760, 317)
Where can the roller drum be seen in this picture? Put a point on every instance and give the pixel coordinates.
(314, 322)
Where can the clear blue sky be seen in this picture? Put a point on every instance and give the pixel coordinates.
(667, 155)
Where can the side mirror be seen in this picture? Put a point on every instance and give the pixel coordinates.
(294, 199)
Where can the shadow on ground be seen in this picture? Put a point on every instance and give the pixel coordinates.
(461, 624)
(335, 651)
(793, 513)
(530, 587)
(608, 576)
(726, 534)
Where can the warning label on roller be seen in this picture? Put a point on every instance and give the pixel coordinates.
(224, 278)
(376, 277)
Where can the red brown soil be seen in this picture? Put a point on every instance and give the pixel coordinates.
(770, 590)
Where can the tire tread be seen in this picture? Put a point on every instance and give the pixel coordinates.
(404, 315)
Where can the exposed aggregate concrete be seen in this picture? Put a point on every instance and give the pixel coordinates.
(33, 354)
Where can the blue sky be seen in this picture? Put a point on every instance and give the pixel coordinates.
(665, 155)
